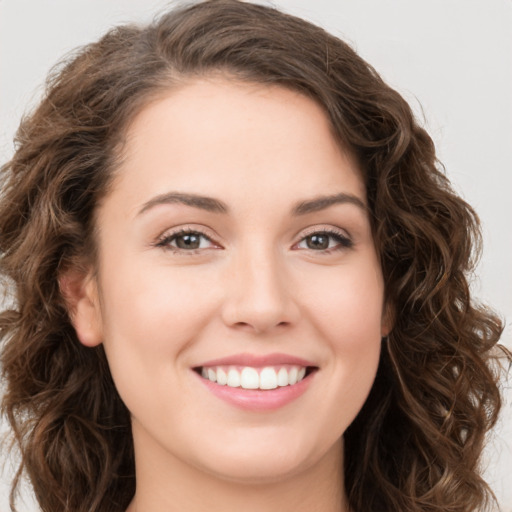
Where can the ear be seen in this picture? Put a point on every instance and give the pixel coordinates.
(388, 320)
(80, 292)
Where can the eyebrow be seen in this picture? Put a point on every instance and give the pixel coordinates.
(202, 202)
(321, 203)
(211, 204)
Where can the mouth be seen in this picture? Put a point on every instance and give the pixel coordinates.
(255, 378)
(257, 383)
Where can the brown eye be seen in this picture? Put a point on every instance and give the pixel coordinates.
(325, 241)
(318, 241)
(186, 241)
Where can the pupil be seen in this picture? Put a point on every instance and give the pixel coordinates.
(188, 242)
(318, 242)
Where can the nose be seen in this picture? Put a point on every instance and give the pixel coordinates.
(258, 296)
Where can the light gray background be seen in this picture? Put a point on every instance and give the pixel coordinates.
(451, 59)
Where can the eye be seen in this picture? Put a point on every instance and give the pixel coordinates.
(326, 241)
(186, 240)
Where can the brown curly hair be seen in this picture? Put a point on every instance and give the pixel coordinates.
(416, 443)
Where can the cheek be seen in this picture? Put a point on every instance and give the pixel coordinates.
(155, 309)
(147, 328)
(355, 331)
(347, 306)
(347, 311)
(150, 318)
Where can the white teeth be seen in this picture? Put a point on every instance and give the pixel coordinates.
(292, 375)
(282, 377)
(233, 378)
(222, 378)
(249, 378)
(253, 378)
(268, 378)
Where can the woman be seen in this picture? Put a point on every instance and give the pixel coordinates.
(239, 281)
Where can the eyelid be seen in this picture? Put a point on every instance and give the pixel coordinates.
(330, 231)
(183, 230)
(324, 228)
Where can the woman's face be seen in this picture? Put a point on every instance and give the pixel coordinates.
(236, 246)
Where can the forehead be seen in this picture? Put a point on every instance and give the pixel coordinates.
(225, 136)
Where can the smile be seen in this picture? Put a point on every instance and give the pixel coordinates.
(248, 377)
(257, 383)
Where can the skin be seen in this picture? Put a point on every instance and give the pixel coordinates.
(254, 285)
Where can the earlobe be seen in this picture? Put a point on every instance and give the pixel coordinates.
(80, 294)
(388, 320)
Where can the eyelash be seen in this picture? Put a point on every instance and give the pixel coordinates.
(343, 241)
(166, 240)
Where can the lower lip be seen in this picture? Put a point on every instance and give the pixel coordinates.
(255, 399)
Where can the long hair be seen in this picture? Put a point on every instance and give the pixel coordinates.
(416, 443)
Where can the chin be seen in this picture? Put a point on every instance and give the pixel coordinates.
(260, 465)
(258, 472)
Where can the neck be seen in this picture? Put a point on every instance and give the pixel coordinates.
(166, 484)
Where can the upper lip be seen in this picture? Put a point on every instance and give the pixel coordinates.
(254, 360)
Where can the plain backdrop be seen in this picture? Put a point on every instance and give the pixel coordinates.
(451, 59)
